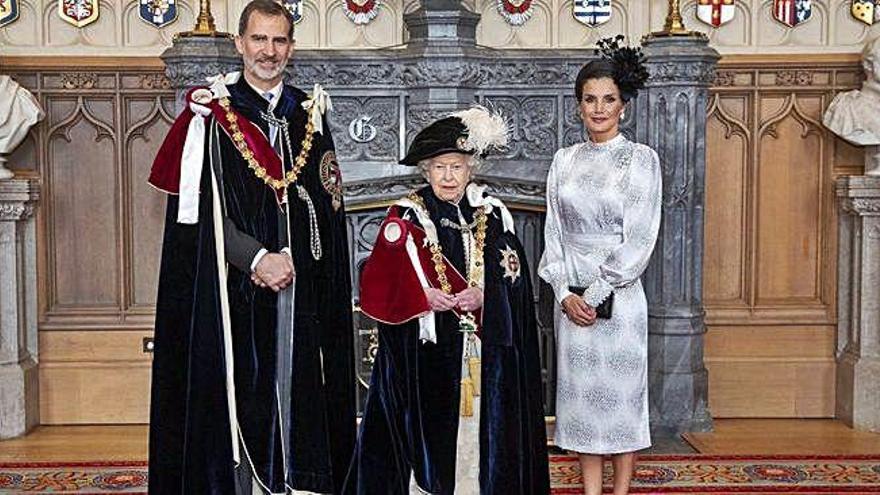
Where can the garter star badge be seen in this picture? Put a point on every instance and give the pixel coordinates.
(515, 12)
(8, 12)
(331, 178)
(361, 11)
(295, 7)
(159, 13)
(591, 12)
(792, 12)
(715, 12)
(510, 263)
(79, 13)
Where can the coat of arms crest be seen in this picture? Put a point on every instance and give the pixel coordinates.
(592, 12)
(867, 11)
(8, 12)
(361, 11)
(159, 13)
(515, 12)
(78, 13)
(715, 12)
(792, 12)
(295, 7)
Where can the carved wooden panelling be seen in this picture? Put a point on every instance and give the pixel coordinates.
(100, 219)
(82, 213)
(790, 177)
(770, 254)
(99, 233)
(726, 212)
(147, 119)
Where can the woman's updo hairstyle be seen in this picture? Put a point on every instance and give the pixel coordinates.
(624, 64)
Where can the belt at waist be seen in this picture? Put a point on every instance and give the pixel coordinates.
(593, 239)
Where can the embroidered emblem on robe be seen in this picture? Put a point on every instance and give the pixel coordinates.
(331, 178)
(510, 263)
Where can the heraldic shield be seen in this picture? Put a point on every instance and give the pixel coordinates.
(592, 12)
(715, 12)
(361, 11)
(295, 7)
(792, 12)
(867, 11)
(159, 13)
(79, 13)
(8, 12)
(515, 12)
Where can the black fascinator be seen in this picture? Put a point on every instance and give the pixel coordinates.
(628, 65)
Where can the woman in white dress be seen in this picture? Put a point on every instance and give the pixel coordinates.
(603, 214)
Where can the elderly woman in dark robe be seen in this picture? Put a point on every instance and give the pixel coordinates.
(454, 404)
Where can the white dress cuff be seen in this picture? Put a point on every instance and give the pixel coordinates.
(257, 257)
(597, 292)
(561, 291)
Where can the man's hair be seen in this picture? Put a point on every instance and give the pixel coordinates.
(265, 7)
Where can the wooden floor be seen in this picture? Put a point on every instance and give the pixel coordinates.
(78, 443)
(731, 436)
(784, 436)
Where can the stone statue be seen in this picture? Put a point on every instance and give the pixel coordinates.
(855, 115)
(19, 111)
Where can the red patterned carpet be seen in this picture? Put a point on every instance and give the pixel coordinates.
(661, 474)
(691, 474)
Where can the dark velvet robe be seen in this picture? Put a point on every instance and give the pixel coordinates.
(411, 418)
(190, 440)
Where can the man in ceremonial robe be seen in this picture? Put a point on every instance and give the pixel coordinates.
(454, 404)
(253, 377)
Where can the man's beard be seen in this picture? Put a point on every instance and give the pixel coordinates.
(262, 73)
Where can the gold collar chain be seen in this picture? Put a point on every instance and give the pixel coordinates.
(475, 274)
(248, 155)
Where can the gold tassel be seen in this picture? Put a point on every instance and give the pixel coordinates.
(467, 397)
(474, 367)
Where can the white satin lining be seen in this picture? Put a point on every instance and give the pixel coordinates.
(427, 330)
(191, 165)
(476, 199)
(225, 317)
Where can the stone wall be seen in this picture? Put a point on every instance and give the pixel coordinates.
(119, 31)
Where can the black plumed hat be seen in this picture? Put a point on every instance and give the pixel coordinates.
(472, 131)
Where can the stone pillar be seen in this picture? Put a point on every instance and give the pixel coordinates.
(19, 379)
(438, 75)
(858, 301)
(672, 120)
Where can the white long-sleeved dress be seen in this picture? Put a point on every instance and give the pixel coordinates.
(603, 215)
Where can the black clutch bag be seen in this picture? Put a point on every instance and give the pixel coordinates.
(603, 310)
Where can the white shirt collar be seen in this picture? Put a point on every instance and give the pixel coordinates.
(275, 92)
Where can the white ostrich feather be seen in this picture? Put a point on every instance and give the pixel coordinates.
(485, 129)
